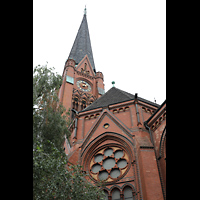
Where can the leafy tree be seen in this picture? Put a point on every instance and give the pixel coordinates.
(54, 179)
(49, 116)
(53, 176)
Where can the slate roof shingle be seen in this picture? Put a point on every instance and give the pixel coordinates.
(82, 44)
(113, 96)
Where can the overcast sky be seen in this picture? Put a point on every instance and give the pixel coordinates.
(128, 40)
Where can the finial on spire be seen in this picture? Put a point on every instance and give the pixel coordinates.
(113, 82)
(85, 11)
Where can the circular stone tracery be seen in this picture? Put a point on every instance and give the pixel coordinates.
(109, 164)
(96, 168)
(98, 158)
(108, 152)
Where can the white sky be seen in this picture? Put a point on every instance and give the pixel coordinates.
(128, 40)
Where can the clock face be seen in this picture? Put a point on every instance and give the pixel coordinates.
(84, 86)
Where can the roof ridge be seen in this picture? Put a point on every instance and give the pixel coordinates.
(113, 96)
(109, 98)
(126, 93)
(139, 98)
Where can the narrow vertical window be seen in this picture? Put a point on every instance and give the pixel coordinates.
(128, 194)
(116, 194)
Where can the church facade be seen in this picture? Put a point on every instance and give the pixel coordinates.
(118, 137)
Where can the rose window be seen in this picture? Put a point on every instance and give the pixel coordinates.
(109, 164)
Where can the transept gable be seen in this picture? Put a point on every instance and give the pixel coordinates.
(106, 122)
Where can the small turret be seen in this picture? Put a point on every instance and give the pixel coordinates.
(99, 75)
(70, 62)
(100, 84)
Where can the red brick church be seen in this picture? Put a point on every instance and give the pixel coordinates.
(117, 137)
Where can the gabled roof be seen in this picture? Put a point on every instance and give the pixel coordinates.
(82, 44)
(113, 96)
(106, 114)
(155, 113)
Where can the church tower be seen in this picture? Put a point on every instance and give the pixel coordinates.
(81, 83)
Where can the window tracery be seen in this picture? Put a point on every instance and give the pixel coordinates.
(109, 164)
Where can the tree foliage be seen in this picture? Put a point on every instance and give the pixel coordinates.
(49, 116)
(54, 179)
(53, 176)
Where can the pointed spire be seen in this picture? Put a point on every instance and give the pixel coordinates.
(85, 11)
(82, 44)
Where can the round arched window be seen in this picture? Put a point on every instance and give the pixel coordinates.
(128, 194)
(109, 164)
(115, 194)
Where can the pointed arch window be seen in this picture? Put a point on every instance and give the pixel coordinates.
(75, 103)
(84, 105)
